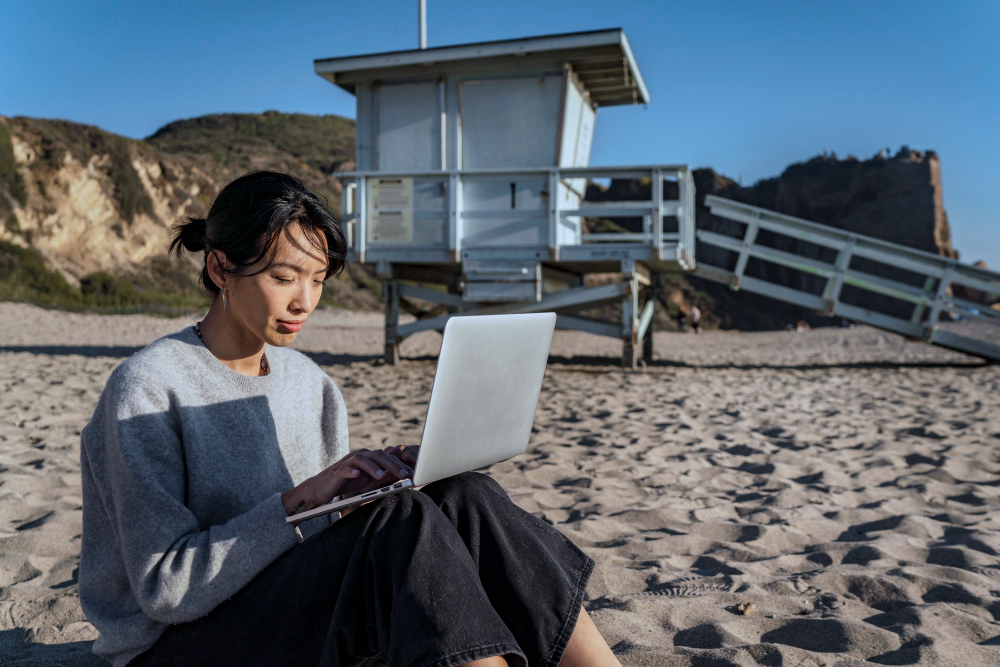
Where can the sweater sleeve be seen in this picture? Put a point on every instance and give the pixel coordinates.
(335, 447)
(335, 436)
(177, 571)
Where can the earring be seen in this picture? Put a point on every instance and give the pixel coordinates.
(225, 303)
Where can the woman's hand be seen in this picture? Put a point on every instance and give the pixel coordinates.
(358, 472)
(381, 469)
(407, 454)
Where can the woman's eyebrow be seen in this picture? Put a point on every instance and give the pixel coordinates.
(289, 265)
(296, 267)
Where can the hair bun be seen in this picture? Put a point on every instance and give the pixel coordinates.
(191, 234)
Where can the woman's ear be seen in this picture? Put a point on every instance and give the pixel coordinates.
(217, 261)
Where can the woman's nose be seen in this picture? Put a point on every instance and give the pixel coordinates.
(303, 297)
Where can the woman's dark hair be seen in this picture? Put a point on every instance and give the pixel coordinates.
(249, 215)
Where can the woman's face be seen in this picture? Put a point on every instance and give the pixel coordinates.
(273, 304)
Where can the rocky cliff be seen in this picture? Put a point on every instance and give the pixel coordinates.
(89, 200)
(898, 198)
(895, 198)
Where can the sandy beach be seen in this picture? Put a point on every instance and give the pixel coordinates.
(845, 482)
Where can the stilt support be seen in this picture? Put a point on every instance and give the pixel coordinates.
(630, 306)
(390, 293)
(635, 322)
(647, 335)
(635, 329)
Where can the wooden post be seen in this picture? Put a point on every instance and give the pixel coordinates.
(630, 356)
(749, 238)
(390, 293)
(836, 282)
(647, 339)
(938, 305)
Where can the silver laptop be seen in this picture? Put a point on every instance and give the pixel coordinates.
(483, 400)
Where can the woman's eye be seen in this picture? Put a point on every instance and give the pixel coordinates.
(283, 280)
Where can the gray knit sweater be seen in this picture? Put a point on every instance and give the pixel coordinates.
(183, 465)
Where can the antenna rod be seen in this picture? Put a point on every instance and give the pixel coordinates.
(422, 12)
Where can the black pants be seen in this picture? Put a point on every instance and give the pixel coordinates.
(442, 576)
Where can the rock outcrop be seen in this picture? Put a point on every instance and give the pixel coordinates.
(896, 198)
(89, 200)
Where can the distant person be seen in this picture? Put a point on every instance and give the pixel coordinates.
(205, 442)
(682, 318)
(696, 319)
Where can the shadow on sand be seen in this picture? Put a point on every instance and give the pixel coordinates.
(116, 351)
(614, 363)
(17, 648)
(122, 352)
(589, 363)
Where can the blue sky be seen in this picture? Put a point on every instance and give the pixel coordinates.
(745, 87)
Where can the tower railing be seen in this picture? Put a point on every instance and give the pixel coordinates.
(451, 216)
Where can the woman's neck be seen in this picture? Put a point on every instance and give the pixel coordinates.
(230, 342)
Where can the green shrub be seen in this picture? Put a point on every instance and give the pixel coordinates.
(107, 290)
(319, 141)
(24, 277)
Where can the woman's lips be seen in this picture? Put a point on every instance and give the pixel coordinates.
(291, 327)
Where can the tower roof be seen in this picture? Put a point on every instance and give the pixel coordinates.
(602, 60)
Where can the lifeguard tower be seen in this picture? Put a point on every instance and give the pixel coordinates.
(472, 166)
(472, 163)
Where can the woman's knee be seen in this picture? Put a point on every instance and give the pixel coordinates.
(407, 520)
(465, 488)
(401, 507)
(409, 510)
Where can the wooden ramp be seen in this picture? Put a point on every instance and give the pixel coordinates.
(856, 277)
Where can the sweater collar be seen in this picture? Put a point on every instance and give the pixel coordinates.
(244, 382)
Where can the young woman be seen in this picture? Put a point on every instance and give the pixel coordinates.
(203, 443)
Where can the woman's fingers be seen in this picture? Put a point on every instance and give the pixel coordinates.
(342, 477)
(363, 461)
(327, 484)
(407, 455)
(391, 464)
(379, 465)
(410, 455)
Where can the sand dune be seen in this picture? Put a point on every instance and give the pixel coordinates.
(845, 482)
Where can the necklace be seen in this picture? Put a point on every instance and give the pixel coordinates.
(264, 368)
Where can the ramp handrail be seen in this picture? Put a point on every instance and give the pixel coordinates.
(929, 302)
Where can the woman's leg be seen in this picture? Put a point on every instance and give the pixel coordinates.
(587, 647)
(534, 576)
(392, 579)
(496, 661)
